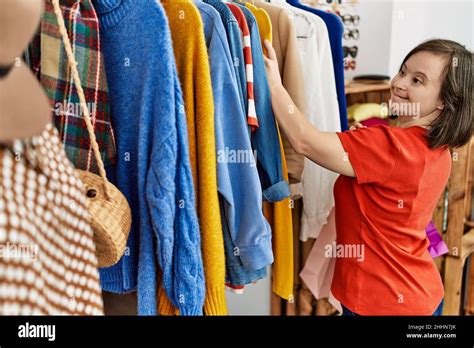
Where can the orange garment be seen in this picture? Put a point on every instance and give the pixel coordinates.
(383, 266)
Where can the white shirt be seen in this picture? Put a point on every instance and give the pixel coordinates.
(322, 111)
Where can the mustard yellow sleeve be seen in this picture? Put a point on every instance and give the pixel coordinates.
(264, 24)
(281, 221)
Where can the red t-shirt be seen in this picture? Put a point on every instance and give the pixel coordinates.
(381, 216)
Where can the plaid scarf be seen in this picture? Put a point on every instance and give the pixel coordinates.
(49, 62)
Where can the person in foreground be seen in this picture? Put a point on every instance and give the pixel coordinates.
(391, 179)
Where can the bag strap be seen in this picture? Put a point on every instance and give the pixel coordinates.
(77, 81)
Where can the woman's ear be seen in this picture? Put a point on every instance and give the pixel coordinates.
(440, 103)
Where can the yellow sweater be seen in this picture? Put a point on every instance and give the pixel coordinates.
(190, 51)
(278, 214)
(264, 24)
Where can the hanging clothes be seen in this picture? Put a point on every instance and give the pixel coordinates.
(153, 169)
(322, 111)
(285, 45)
(286, 48)
(48, 264)
(279, 213)
(247, 47)
(268, 163)
(264, 24)
(235, 44)
(335, 30)
(48, 61)
(263, 141)
(239, 186)
(318, 271)
(194, 73)
(266, 140)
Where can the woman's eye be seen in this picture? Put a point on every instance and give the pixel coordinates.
(402, 72)
(417, 81)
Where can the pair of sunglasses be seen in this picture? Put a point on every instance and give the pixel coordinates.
(352, 51)
(350, 65)
(348, 19)
(351, 33)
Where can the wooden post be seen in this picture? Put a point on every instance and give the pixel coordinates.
(305, 297)
(459, 191)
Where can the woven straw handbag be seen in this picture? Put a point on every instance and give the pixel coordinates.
(110, 212)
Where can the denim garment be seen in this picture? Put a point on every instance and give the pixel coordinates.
(265, 140)
(235, 45)
(240, 194)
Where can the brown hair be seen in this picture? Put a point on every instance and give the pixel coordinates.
(455, 125)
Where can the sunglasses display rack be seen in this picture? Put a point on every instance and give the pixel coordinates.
(347, 11)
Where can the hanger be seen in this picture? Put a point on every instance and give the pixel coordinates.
(24, 107)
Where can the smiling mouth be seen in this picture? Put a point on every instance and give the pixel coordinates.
(399, 97)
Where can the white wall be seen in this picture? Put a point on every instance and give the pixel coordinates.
(374, 36)
(254, 301)
(389, 29)
(416, 21)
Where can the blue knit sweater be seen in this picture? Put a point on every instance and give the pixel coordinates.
(153, 169)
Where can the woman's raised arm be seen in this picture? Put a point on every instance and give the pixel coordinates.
(323, 148)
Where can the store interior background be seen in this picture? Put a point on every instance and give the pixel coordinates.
(388, 30)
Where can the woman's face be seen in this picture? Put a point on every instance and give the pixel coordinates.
(415, 90)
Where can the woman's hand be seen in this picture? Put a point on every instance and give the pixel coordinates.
(357, 126)
(323, 148)
(271, 65)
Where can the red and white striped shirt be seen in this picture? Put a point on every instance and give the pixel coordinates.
(252, 119)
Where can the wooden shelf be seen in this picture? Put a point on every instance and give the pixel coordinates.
(356, 87)
(367, 92)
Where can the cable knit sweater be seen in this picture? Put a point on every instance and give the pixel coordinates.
(153, 169)
(194, 73)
